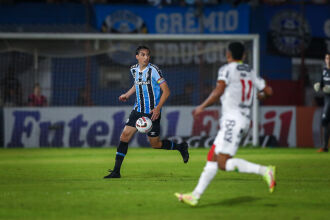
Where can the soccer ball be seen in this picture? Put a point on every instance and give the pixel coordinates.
(143, 124)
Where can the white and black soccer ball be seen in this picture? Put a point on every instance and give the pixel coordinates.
(143, 124)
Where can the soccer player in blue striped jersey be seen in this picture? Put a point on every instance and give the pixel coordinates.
(151, 92)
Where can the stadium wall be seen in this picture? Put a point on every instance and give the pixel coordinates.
(41, 14)
(101, 126)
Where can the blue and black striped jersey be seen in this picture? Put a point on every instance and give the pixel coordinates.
(147, 86)
(325, 78)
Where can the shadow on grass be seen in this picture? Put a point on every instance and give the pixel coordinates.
(232, 202)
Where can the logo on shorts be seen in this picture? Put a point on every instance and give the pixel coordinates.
(152, 133)
(229, 125)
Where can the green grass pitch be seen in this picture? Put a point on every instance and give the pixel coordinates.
(69, 184)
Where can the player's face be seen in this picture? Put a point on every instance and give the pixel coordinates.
(327, 60)
(143, 57)
(229, 56)
(37, 90)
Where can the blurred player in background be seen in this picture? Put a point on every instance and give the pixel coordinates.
(324, 84)
(235, 85)
(36, 98)
(151, 93)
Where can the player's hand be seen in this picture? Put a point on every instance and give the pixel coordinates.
(317, 87)
(261, 95)
(155, 114)
(199, 109)
(326, 89)
(123, 98)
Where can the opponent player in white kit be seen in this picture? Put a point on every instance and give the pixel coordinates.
(235, 86)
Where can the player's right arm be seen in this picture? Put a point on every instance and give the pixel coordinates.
(124, 97)
(213, 98)
(320, 83)
(223, 78)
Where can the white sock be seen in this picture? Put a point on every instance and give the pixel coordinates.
(210, 170)
(243, 166)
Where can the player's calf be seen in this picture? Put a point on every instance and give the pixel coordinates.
(182, 148)
(184, 151)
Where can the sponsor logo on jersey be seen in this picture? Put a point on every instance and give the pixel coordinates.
(243, 74)
(143, 82)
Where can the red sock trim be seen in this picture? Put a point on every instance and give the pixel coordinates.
(211, 153)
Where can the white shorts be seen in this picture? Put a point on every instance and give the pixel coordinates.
(232, 129)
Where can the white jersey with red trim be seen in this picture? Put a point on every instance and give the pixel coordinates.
(240, 82)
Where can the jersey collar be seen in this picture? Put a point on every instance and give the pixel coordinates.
(147, 67)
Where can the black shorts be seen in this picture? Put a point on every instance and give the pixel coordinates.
(135, 115)
(326, 111)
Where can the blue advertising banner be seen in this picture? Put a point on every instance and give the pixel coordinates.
(223, 19)
(281, 36)
(315, 18)
(41, 13)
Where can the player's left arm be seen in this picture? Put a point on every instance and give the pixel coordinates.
(165, 94)
(213, 97)
(266, 92)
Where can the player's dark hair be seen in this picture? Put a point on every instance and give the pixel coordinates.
(237, 50)
(142, 48)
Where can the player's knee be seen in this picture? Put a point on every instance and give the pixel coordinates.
(124, 136)
(222, 165)
(222, 162)
(211, 167)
